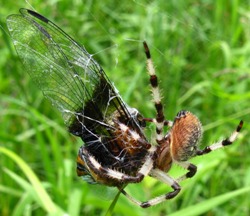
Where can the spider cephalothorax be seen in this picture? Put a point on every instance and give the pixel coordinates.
(116, 151)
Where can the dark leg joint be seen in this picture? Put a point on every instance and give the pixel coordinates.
(226, 142)
(159, 108)
(166, 123)
(146, 50)
(204, 151)
(158, 131)
(133, 179)
(145, 205)
(160, 117)
(148, 119)
(172, 194)
(192, 170)
(239, 126)
(153, 81)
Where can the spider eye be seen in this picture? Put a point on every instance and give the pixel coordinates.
(185, 136)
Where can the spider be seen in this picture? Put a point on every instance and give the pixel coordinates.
(116, 151)
(177, 146)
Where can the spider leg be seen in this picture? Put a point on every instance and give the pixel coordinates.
(100, 171)
(160, 119)
(166, 123)
(221, 143)
(192, 168)
(163, 177)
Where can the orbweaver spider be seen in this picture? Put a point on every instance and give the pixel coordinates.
(116, 151)
(177, 146)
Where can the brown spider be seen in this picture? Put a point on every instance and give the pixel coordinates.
(116, 151)
(177, 146)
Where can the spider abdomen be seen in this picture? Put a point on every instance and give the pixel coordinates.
(185, 136)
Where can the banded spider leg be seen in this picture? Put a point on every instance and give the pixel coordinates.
(180, 144)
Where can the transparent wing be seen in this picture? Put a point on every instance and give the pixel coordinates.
(66, 73)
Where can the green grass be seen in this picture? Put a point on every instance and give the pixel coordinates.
(201, 53)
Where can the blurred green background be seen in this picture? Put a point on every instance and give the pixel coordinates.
(201, 54)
